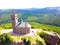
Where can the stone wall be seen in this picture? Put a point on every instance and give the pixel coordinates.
(22, 30)
(51, 39)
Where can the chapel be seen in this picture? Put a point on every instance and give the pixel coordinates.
(19, 27)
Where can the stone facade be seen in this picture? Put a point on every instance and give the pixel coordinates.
(22, 30)
(14, 20)
(51, 39)
(19, 27)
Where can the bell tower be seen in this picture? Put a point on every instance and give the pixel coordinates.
(14, 20)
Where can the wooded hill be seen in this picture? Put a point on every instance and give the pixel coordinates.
(49, 15)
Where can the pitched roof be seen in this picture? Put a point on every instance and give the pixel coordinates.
(24, 24)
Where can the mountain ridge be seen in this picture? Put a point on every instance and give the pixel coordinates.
(43, 10)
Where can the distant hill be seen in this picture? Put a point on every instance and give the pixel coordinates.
(48, 10)
(49, 15)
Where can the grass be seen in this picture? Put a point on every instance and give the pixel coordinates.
(17, 39)
(45, 27)
(30, 38)
(34, 25)
(34, 39)
(5, 26)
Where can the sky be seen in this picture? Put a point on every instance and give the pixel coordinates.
(22, 4)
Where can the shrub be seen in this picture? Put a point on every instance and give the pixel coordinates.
(26, 42)
(39, 42)
(42, 34)
(5, 26)
(5, 39)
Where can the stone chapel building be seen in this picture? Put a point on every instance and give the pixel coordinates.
(19, 27)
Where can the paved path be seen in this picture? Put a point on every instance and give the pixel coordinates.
(14, 34)
(5, 31)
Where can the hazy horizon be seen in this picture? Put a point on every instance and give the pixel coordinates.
(23, 4)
